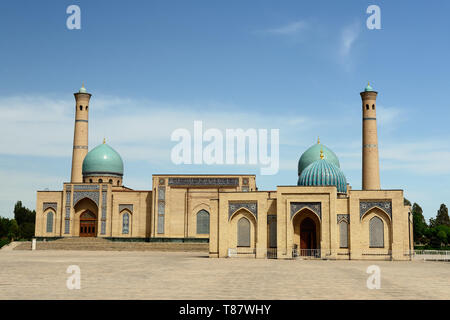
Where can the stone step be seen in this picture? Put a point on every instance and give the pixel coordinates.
(98, 244)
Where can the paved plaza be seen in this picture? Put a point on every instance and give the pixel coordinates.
(186, 275)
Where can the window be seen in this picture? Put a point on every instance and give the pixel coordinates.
(87, 107)
(81, 108)
(90, 180)
(373, 107)
(110, 181)
(343, 233)
(100, 180)
(243, 233)
(367, 107)
(125, 223)
(50, 221)
(118, 182)
(376, 233)
(203, 222)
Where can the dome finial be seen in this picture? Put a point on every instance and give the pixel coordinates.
(321, 153)
(104, 140)
(318, 140)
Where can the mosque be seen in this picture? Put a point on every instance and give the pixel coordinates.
(320, 217)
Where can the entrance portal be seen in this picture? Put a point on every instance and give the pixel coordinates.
(308, 237)
(88, 224)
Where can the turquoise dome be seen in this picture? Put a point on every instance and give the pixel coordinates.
(323, 173)
(368, 88)
(313, 154)
(103, 160)
(82, 89)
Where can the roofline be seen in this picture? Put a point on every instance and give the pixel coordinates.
(202, 174)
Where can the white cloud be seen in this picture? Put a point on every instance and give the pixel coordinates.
(387, 116)
(289, 29)
(349, 35)
(138, 129)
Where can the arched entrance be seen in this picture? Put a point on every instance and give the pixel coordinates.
(88, 224)
(308, 236)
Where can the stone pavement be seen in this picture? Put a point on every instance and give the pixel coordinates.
(192, 275)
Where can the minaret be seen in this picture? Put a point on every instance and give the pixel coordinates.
(80, 135)
(370, 164)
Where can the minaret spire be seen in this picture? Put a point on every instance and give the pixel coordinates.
(80, 135)
(370, 162)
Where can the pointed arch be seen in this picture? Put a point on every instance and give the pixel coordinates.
(202, 224)
(376, 232)
(243, 232)
(49, 221)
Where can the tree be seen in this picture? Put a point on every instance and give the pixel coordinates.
(442, 217)
(442, 236)
(419, 224)
(4, 227)
(13, 230)
(406, 202)
(22, 214)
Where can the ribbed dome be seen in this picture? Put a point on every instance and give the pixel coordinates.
(103, 160)
(323, 173)
(313, 154)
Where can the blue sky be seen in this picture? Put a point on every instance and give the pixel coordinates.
(154, 66)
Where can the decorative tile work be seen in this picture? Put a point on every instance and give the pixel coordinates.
(315, 207)
(129, 207)
(231, 182)
(52, 205)
(245, 189)
(245, 181)
(235, 206)
(385, 205)
(68, 188)
(67, 212)
(104, 205)
(271, 218)
(161, 208)
(161, 193)
(67, 198)
(93, 195)
(103, 227)
(67, 227)
(344, 217)
(162, 181)
(86, 187)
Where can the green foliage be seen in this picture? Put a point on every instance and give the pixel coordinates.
(4, 242)
(406, 202)
(436, 235)
(442, 216)
(21, 227)
(23, 215)
(26, 230)
(13, 230)
(419, 224)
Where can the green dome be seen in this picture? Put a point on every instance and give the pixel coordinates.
(368, 88)
(313, 153)
(102, 160)
(323, 173)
